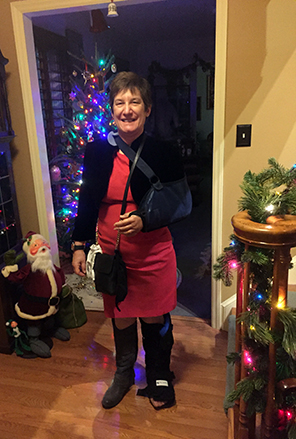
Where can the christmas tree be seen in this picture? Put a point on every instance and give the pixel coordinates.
(267, 196)
(91, 119)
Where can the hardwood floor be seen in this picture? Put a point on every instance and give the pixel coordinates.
(59, 397)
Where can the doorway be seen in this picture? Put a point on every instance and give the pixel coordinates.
(86, 6)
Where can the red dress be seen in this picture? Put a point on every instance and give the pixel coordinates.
(149, 257)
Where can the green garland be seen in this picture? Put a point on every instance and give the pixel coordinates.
(271, 192)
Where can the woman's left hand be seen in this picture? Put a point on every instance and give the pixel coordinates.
(129, 225)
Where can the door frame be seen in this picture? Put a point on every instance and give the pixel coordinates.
(22, 14)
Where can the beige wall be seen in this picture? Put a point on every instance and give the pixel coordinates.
(260, 90)
(19, 147)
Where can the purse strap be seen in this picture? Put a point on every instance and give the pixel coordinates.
(142, 165)
(134, 163)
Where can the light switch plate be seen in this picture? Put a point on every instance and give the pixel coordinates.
(243, 135)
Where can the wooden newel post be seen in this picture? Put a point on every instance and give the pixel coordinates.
(280, 236)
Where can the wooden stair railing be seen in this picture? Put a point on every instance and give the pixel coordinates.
(280, 235)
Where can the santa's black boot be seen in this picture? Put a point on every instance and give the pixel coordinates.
(39, 347)
(158, 342)
(126, 345)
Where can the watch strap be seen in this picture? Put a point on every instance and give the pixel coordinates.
(75, 247)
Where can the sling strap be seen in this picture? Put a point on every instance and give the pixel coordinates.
(142, 165)
(134, 164)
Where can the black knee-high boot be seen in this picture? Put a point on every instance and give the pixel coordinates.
(126, 346)
(158, 342)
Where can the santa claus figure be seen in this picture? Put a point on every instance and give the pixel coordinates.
(42, 283)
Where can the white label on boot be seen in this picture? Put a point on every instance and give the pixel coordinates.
(162, 383)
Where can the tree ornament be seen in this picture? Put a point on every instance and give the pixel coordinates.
(113, 68)
(67, 198)
(90, 137)
(63, 132)
(77, 106)
(55, 173)
(86, 76)
(72, 95)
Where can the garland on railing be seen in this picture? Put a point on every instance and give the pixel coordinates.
(271, 192)
(266, 196)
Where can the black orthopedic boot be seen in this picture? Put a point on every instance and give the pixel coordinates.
(126, 346)
(158, 342)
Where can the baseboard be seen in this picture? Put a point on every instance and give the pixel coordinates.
(226, 310)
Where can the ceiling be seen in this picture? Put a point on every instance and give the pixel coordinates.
(168, 20)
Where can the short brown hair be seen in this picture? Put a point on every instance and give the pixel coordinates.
(130, 81)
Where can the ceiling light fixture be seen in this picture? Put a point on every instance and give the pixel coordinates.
(112, 10)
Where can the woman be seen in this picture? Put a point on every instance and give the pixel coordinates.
(149, 257)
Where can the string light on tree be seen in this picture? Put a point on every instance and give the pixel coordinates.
(91, 118)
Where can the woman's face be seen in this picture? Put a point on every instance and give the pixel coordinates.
(129, 114)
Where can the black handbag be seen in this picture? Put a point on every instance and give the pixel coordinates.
(110, 270)
(110, 275)
(164, 203)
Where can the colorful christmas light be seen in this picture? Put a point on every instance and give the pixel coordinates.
(91, 119)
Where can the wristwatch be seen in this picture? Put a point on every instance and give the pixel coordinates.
(75, 247)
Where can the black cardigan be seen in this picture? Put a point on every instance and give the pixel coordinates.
(163, 157)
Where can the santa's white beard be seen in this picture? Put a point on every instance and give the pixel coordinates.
(41, 261)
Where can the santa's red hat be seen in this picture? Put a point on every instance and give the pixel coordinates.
(29, 234)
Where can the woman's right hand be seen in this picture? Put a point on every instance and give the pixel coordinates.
(79, 262)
